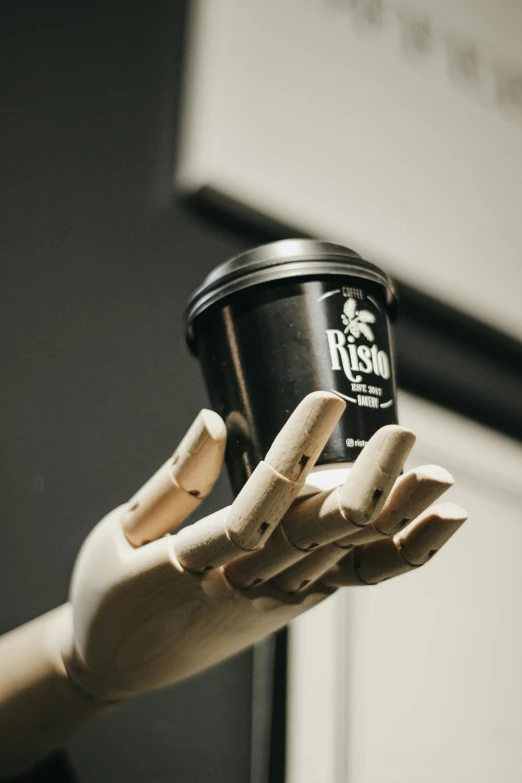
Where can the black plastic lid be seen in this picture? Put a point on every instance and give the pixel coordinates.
(288, 258)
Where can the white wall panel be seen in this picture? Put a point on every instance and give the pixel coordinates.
(390, 125)
(429, 676)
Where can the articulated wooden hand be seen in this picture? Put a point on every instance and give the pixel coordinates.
(148, 609)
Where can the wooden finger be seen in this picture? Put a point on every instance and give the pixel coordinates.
(317, 520)
(277, 480)
(178, 487)
(329, 516)
(423, 538)
(302, 575)
(248, 523)
(374, 473)
(254, 568)
(411, 494)
(205, 544)
(392, 556)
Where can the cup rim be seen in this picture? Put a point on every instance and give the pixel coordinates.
(285, 259)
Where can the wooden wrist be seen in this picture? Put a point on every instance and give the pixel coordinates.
(40, 706)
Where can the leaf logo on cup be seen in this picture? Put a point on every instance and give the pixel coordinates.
(357, 321)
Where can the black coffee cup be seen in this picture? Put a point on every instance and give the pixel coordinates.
(285, 319)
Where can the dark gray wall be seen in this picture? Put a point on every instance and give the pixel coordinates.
(97, 260)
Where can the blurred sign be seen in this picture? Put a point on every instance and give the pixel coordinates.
(391, 126)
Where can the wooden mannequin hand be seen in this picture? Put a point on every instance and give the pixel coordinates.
(148, 609)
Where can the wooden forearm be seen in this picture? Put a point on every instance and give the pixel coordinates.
(39, 706)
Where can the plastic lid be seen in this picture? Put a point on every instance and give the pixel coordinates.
(288, 258)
